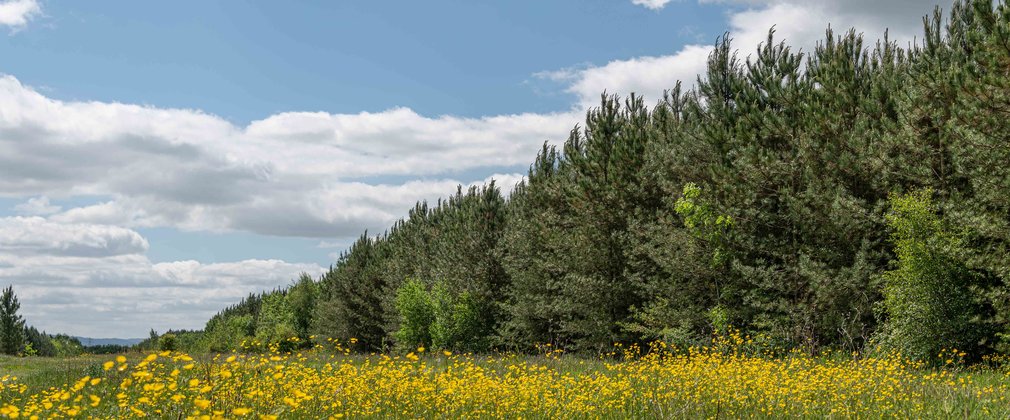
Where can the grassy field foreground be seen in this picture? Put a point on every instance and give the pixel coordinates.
(700, 383)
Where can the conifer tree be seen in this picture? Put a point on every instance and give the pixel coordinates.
(12, 326)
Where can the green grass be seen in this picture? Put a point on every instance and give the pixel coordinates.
(40, 373)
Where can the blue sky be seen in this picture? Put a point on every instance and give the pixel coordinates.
(244, 61)
(165, 159)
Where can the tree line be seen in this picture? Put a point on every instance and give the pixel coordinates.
(850, 197)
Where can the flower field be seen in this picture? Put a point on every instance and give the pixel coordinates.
(697, 383)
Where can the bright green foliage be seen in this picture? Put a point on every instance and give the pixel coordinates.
(440, 319)
(12, 326)
(229, 333)
(703, 222)
(276, 321)
(931, 297)
(67, 346)
(417, 314)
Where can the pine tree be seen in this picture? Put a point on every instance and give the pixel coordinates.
(12, 326)
(530, 255)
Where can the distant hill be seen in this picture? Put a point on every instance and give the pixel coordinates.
(89, 342)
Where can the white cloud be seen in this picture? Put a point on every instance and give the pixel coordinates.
(651, 4)
(16, 13)
(800, 23)
(290, 174)
(61, 271)
(37, 236)
(37, 206)
(124, 296)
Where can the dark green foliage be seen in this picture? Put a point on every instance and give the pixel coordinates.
(461, 321)
(530, 253)
(192, 341)
(40, 342)
(757, 199)
(167, 342)
(302, 297)
(351, 304)
(12, 326)
(108, 349)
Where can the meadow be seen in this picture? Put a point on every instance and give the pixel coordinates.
(326, 382)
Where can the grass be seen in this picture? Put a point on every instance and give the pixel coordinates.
(40, 373)
(322, 383)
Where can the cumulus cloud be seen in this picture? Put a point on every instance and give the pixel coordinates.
(61, 271)
(800, 23)
(651, 4)
(15, 14)
(126, 295)
(34, 236)
(290, 174)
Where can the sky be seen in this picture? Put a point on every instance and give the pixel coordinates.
(161, 160)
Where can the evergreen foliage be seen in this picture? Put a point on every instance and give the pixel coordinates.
(757, 199)
(12, 326)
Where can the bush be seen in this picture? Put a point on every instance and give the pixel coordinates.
(440, 319)
(930, 298)
(417, 314)
(167, 342)
(459, 322)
